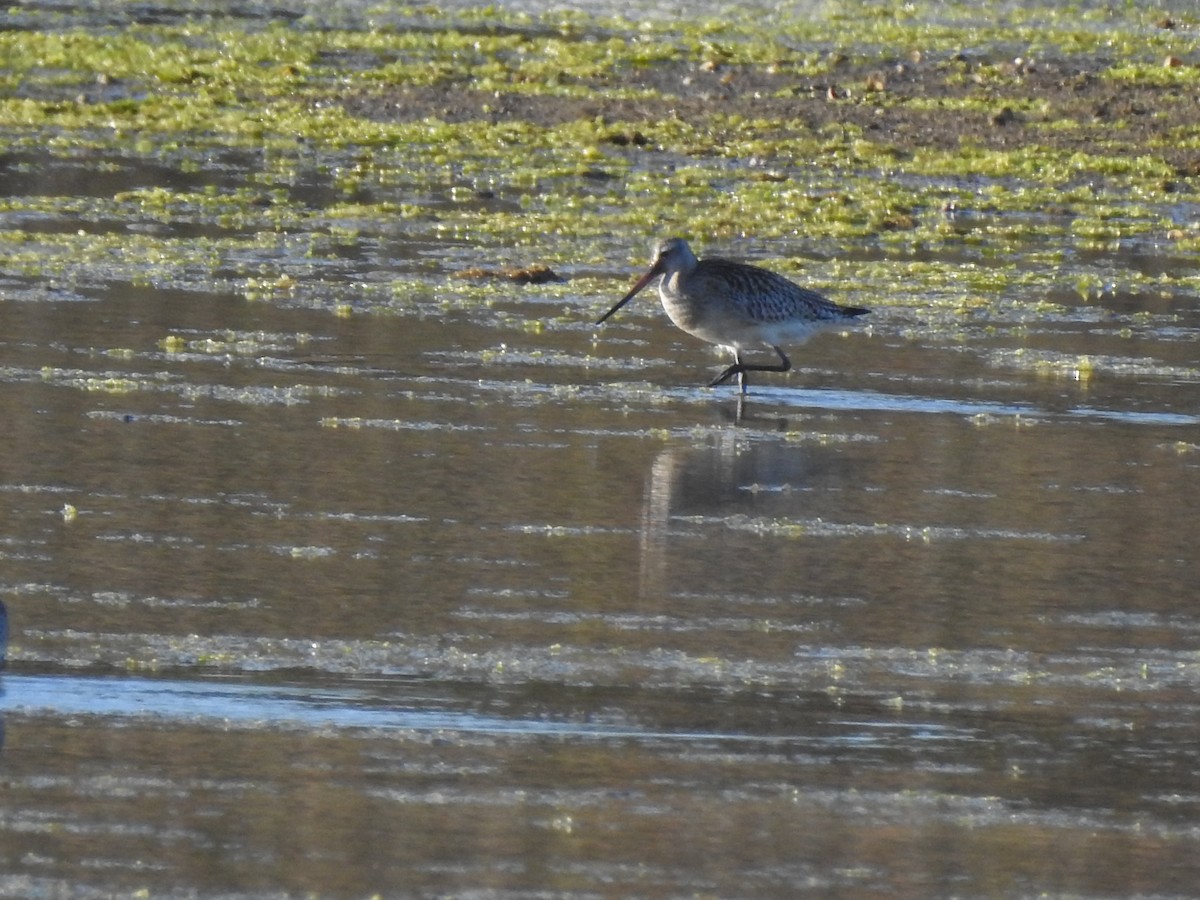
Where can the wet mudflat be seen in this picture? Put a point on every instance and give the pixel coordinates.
(339, 563)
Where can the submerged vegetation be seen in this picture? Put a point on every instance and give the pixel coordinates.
(1048, 137)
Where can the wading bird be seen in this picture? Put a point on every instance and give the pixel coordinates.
(736, 305)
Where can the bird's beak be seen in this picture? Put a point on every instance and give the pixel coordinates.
(654, 272)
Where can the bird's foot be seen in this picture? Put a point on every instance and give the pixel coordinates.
(736, 369)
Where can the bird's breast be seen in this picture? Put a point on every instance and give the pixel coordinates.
(687, 309)
(707, 313)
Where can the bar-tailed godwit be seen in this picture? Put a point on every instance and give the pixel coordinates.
(736, 305)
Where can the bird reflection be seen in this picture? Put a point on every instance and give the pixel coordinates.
(731, 472)
(743, 414)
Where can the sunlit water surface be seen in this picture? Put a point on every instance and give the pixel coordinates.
(309, 599)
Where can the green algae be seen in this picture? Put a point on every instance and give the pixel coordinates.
(1084, 367)
(176, 93)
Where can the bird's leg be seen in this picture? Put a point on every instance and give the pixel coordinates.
(784, 363)
(740, 368)
(740, 414)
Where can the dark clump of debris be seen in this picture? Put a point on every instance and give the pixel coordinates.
(535, 274)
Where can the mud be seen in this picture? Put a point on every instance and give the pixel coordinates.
(1077, 106)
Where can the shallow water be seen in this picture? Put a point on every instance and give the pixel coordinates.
(332, 573)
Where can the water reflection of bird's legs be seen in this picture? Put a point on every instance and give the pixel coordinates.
(742, 415)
